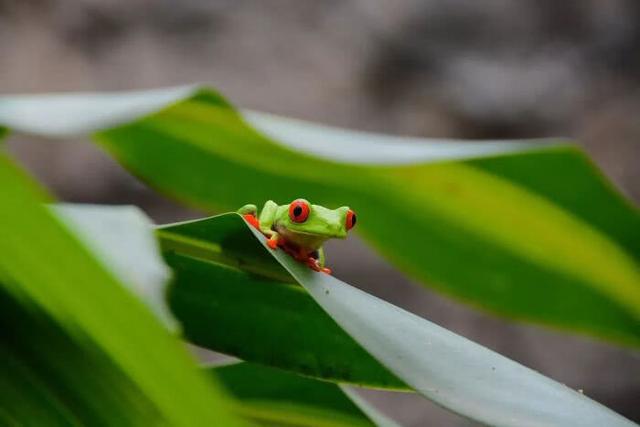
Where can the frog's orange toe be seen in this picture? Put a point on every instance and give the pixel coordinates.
(251, 219)
(313, 264)
(272, 243)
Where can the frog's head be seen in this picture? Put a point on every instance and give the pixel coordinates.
(302, 217)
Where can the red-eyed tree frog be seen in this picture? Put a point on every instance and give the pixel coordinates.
(301, 228)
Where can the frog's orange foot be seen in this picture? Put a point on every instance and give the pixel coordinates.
(313, 264)
(273, 243)
(251, 219)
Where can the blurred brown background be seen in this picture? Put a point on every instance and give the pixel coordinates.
(445, 68)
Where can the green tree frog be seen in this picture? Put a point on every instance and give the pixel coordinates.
(301, 228)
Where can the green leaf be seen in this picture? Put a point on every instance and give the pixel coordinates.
(276, 397)
(452, 371)
(530, 230)
(81, 349)
(230, 296)
(135, 260)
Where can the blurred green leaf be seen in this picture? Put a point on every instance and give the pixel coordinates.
(535, 233)
(136, 260)
(466, 378)
(276, 397)
(78, 349)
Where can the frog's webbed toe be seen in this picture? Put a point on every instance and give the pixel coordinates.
(251, 219)
(272, 242)
(315, 265)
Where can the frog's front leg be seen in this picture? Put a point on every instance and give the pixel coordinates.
(249, 213)
(266, 221)
(274, 240)
(320, 257)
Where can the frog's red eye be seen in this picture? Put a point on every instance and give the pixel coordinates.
(351, 219)
(299, 210)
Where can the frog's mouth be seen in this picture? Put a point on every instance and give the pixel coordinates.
(325, 235)
(308, 238)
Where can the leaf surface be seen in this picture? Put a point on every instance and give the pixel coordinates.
(230, 296)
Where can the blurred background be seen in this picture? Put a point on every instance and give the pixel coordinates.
(437, 68)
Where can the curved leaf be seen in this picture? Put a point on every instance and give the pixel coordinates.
(91, 354)
(540, 233)
(378, 418)
(452, 371)
(230, 296)
(136, 260)
(277, 397)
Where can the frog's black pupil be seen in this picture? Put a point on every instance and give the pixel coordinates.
(353, 220)
(297, 211)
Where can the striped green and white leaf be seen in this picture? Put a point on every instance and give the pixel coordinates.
(528, 229)
(274, 326)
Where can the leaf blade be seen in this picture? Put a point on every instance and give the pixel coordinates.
(227, 307)
(448, 369)
(95, 324)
